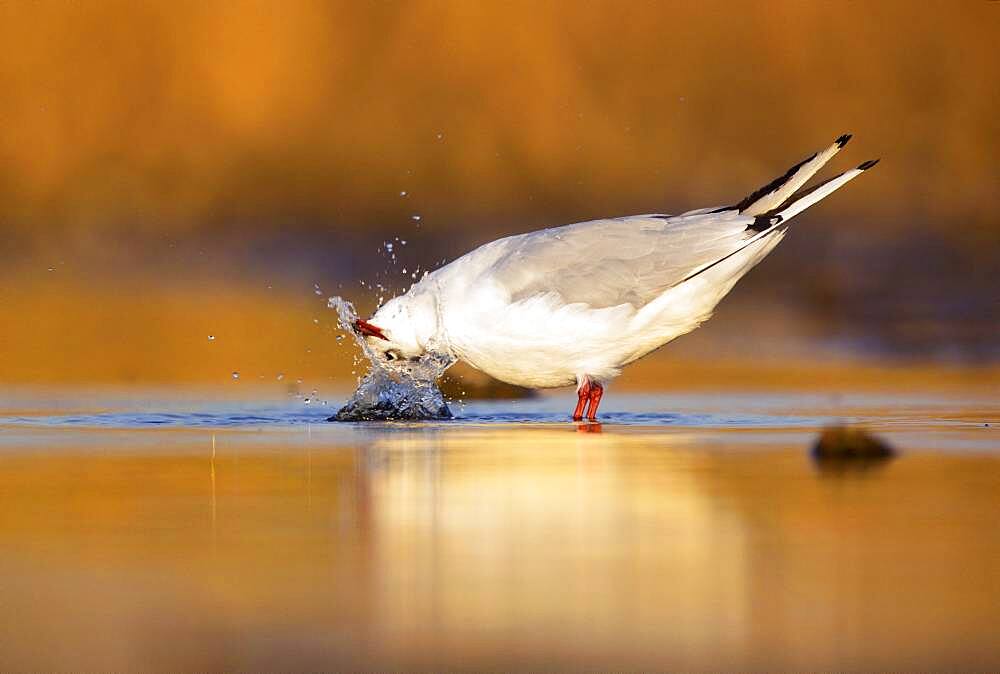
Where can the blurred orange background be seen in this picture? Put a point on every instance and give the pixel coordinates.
(174, 170)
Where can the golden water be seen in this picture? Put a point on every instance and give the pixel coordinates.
(690, 544)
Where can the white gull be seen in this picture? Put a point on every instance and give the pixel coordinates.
(575, 304)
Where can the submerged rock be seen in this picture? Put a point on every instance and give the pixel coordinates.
(386, 411)
(844, 442)
(843, 449)
(383, 397)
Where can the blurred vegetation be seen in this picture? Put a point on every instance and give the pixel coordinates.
(254, 148)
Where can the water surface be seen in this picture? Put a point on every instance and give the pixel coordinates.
(685, 532)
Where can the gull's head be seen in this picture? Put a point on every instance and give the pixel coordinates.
(392, 333)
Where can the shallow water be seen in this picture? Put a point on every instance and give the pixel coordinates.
(684, 532)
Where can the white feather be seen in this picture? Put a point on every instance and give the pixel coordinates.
(557, 306)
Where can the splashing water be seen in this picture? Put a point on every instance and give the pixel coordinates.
(400, 390)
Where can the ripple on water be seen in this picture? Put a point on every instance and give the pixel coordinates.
(481, 412)
(925, 421)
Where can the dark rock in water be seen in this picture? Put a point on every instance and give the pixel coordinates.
(394, 396)
(390, 411)
(842, 449)
(843, 442)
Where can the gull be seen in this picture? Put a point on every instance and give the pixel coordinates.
(575, 304)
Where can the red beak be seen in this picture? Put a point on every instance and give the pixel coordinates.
(366, 329)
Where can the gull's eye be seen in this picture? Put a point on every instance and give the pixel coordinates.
(392, 355)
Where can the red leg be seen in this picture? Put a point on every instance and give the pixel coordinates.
(584, 394)
(595, 394)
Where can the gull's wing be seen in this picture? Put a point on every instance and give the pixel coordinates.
(609, 263)
(606, 263)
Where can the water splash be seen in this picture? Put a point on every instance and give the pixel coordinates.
(400, 390)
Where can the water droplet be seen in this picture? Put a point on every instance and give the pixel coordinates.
(403, 193)
(403, 242)
(236, 375)
(281, 375)
(306, 401)
(440, 136)
(211, 338)
(416, 218)
(316, 321)
(52, 268)
(388, 246)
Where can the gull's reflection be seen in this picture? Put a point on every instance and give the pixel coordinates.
(533, 530)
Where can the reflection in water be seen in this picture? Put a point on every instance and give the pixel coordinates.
(555, 546)
(549, 535)
(212, 475)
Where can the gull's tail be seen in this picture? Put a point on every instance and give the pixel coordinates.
(779, 201)
(803, 200)
(772, 195)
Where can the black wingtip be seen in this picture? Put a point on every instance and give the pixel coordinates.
(842, 141)
(867, 165)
